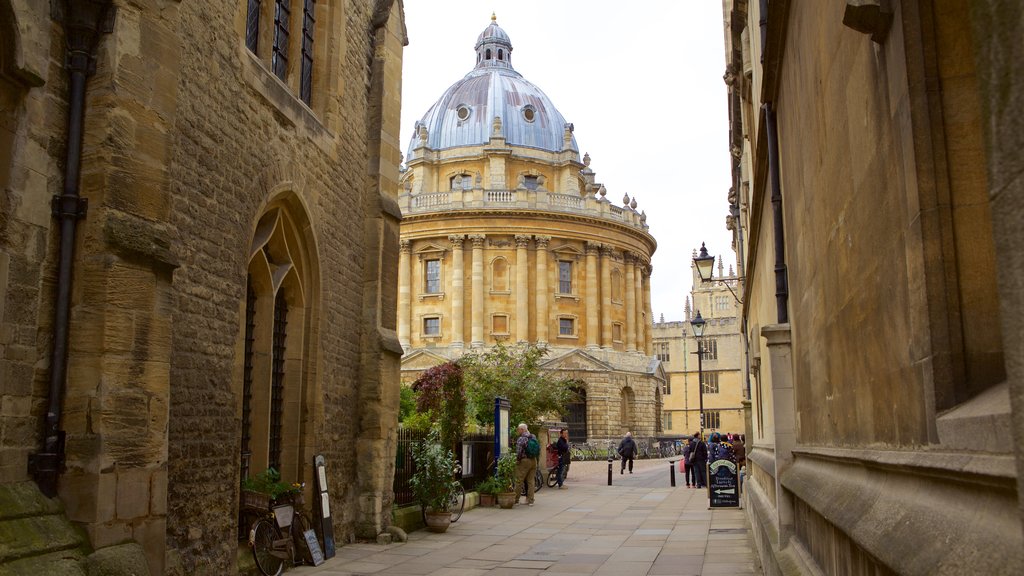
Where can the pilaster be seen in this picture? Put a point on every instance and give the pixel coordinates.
(780, 354)
(477, 314)
(522, 288)
(458, 290)
(592, 291)
(606, 296)
(542, 321)
(404, 294)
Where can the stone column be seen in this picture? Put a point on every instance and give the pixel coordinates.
(638, 303)
(404, 293)
(648, 344)
(458, 290)
(630, 293)
(477, 314)
(784, 417)
(522, 289)
(606, 296)
(542, 321)
(592, 288)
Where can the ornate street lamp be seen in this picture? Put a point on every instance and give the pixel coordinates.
(705, 267)
(705, 264)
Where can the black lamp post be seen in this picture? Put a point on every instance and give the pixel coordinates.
(697, 324)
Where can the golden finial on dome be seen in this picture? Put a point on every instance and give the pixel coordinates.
(494, 17)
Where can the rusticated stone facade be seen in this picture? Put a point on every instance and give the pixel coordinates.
(233, 286)
(508, 237)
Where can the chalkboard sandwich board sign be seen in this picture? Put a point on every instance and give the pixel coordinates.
(723, 484)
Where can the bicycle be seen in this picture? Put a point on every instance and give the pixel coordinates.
(457, 502)
(553, 474)
(577, 453)
(272, 548)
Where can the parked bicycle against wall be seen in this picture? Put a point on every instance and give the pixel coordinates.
(278, 539)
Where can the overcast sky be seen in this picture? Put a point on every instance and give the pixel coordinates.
(642, 83)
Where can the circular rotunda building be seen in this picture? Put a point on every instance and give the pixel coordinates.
(507, 237)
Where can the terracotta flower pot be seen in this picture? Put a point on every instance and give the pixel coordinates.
(486, 500)
(506, 499)
(438, 521)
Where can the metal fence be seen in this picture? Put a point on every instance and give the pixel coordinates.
(475, 454)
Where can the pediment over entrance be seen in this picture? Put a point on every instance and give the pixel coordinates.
(421, 360)
(577, 360)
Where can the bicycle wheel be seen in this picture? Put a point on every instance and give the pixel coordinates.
(538, 481)
(300, 524)
(553, 477)
(458, 502)
(577, 454)
(261, 537)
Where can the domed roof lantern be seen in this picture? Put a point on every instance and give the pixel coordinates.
(493, 46)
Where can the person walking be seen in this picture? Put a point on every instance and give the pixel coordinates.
(699, 460)
(562, 448)
(627, 450)
(526, 464)
(687, 469)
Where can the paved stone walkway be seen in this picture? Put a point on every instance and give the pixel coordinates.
(638, 526)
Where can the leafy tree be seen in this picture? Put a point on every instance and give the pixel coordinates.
(442, 395)
(515, 373)
(406, 403)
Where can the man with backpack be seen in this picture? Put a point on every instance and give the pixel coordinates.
(527, 451)
(627, 450)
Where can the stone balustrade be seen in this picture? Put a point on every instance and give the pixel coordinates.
(522, 199)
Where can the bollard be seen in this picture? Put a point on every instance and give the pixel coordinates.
(609, 471)
(672, 471)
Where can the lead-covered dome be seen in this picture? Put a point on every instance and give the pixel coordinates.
(465, 114)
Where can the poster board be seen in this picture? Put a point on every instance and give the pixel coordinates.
(323, 505)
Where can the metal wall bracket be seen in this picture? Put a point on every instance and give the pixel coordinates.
(67, 205)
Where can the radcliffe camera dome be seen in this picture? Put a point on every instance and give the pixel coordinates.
(464, 115)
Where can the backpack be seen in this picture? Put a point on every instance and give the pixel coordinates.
(532, 447)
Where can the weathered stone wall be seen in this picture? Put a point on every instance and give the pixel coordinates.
(190, 139)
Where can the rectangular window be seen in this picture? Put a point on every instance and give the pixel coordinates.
(432, 283)
(722, 302)
(709, 347)
(661, 351)
(566, 327)
(564, 277)
(252, 25)
(712, 419)
(306, 80)
(279, 55)
(666, 421)
(666, 388)
(710, 382)
(432, 326)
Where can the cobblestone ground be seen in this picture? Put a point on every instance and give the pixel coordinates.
(637, 526)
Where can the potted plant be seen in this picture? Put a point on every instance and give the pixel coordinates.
(432, 482)
(506, 479)
(487, 490)
(266, 489)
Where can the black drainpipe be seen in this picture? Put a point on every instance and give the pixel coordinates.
(84, 21)
(781, 284)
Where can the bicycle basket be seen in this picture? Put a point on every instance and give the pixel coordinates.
(283, 515)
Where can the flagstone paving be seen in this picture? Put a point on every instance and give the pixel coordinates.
(638, 526)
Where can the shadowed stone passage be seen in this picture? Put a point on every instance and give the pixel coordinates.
(638, 527)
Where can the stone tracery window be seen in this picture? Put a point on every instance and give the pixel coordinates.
(277, 368)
